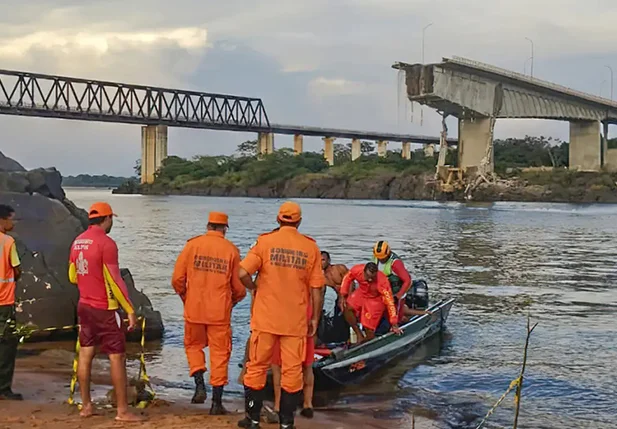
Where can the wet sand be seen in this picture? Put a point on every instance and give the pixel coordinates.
(43, 378)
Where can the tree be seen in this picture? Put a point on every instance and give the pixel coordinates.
(247, 148)
(342, 153)
(367, 148)
(137, 168)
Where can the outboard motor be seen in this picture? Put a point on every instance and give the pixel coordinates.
(417, 297)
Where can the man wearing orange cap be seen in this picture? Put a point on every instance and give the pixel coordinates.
(286, 310)
(206, 278)
(94, 268)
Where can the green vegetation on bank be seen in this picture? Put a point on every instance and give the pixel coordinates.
(246, 169)
(96, 181)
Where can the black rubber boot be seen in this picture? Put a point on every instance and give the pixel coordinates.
(253, 402)
(200, 395)
(217, 408)
(289, 403)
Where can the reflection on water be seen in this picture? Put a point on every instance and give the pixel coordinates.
(500, 261)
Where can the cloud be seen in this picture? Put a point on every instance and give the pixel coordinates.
(313, 62)
(100, 43)
(324, 87)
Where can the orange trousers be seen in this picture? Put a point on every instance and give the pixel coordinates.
(218, 339)
(261, 349)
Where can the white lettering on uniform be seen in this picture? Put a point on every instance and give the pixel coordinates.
(81, 264)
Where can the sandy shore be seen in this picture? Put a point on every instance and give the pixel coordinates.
(44, 378)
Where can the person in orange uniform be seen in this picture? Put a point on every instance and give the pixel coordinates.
(206, 278)
(369, 301)
(94, 268)
(9, 273)
(307, 374)
(290, 279)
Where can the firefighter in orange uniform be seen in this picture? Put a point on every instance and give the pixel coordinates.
(206, 278)
(290, 277)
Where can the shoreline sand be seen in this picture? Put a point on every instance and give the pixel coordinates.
(43, 378)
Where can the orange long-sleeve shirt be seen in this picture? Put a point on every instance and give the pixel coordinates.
(206, 277)
(379, 289)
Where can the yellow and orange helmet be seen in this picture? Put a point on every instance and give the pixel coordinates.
(381, 250)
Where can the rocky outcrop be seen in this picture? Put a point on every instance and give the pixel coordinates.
(46, 224)
(543, 186)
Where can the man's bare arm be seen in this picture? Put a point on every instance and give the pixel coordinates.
(246, 279)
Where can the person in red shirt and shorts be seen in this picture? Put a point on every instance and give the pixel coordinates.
(94, 268)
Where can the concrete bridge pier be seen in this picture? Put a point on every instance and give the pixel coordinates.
(356, 149)
(475, 144)
(585, 145)
(265, 143)
(329, 149)
(298, 144)
(382, 148)
(153, 150)
(406, 152)
(429, 150)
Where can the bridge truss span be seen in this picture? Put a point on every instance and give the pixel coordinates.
(30, 94)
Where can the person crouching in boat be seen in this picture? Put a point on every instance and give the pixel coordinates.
(369, 301)
(400, 280)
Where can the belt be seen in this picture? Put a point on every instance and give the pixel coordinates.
(10, 280)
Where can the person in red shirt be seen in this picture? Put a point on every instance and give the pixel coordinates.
(94, 268)
(369, 301)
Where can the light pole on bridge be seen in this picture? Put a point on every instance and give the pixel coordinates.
(423, 33)
(611, 70)
(531, 41)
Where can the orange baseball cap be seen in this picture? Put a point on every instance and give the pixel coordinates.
(100, 209)
(218, 218)
(290, 212)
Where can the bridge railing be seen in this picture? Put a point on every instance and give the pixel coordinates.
(30, 94)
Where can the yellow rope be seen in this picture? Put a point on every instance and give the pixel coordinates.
(71, 400)
(142, 367)
(513, 384)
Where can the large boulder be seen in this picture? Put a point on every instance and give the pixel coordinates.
(8, 164)
(46, 225)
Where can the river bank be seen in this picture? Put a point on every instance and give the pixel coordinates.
(558, 186)
(43, 373)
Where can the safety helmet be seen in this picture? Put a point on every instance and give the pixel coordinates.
(381, 250)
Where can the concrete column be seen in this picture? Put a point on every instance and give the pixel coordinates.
(265, 143)
(475, 144)
(153, 150)
(406, 152)
(382, 148)
(329, 149)
(429, 150)
(262, 146)
(356, 149)
(298, 144)
(585, 145)
(604, 143)
(611, 160)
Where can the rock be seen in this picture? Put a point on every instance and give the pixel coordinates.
(46, 225)
(315, 186)
(143, 307)
(47, 182)
(371, 188)
(8, 164)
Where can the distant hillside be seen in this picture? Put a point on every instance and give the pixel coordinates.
(88, 181)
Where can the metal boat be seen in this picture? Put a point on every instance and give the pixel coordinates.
(346, 365)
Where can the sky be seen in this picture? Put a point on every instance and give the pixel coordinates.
(312, 62)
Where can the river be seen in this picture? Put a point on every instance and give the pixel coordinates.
(501, 261)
